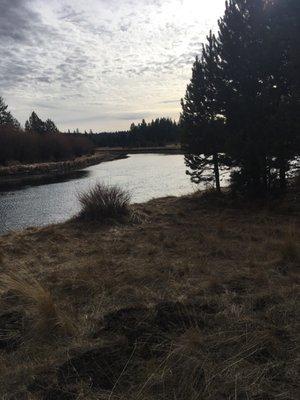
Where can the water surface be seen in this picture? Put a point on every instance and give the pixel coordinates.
(146, 176)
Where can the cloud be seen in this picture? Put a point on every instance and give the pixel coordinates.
(170, 101)
(126, 116)
(130, 116)
(96, 63)
(21, 24)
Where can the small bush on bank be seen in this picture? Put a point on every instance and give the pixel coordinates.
(104, 202)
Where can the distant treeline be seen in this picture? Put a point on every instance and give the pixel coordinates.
(39, 142)
(158, 132)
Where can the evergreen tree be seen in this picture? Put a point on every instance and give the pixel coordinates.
(247, 80)
(6, 117)
(284, 64)
(258, 101)
(50, 126)
(35, 124)
(158, 132)
(201, 120)
(241, 48)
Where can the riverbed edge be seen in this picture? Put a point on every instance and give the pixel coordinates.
(25, 174)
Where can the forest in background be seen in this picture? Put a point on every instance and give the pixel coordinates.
(158, 132)
(40, 141)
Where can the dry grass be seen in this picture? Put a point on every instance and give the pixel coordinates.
(198, 300)
(104, 202)
(290, 246)
(45, 319)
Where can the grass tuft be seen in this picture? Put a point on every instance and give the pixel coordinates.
(39, 305)
(104, 202)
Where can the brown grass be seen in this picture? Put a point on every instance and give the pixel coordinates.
(198, 300)
(290, 246)
(45, 319)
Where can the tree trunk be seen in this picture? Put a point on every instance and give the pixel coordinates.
(266, 175)
(282, 177)
(216, 172)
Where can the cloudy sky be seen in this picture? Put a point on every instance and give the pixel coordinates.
(100, 64)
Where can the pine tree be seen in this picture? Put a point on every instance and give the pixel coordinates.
(259, 104)
(241, 40)
(6, 117)
(284, 64)
(50, 126)
(201, 120)
(35, 124)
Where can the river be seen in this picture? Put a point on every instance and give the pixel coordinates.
(145, 176)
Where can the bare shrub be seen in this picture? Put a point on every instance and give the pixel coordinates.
(104, 202)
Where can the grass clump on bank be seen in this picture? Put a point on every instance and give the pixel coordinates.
(43, 318)
(103, 202)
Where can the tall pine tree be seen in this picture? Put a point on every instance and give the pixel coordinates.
(6, 117)
(35, 124)
(256, 48)
(241, 40)
(201, 118)
(50, 126)
(284, 62)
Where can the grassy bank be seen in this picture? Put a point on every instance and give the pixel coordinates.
(191, 298)
(19, 174)
(169, 149)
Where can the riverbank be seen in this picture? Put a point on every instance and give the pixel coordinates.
(169, 149)
(38, 173)
(18, 175)
(194, 297)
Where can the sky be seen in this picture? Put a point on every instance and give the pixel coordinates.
(100, 64)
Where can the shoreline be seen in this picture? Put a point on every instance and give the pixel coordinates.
(143, 150)
(25, 174)
(19, 175)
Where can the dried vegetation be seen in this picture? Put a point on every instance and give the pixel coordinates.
(196, 300)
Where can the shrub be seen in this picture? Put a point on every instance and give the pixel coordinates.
(104, 202)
